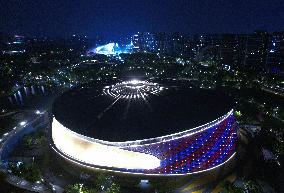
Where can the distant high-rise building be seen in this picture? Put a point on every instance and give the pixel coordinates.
(227, 49)
(144, 42)
(255, 51)
(135, 42)
(162, 42)
(275, 53)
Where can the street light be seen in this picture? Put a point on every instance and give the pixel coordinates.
(23, 123)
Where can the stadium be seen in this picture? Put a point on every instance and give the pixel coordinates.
(144, 127)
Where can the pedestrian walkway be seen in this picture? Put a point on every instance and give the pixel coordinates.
(21, 183)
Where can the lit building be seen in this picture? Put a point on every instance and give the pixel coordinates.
(15, 45)
(111, 49)
(275, 56)
(144, 42)
(185, 151)
(256, 51)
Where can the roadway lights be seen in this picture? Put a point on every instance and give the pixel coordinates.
(23, 123)
(38, 112)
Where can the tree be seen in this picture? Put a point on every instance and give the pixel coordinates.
(3, 176)
(114, 188)
(32, 173)
(78, 188)
(253, 187)
(29, 172)
(101, 181)
(228, 187)
(163, 186)
(28, 141)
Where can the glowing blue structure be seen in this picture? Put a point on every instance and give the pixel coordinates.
(112, 49)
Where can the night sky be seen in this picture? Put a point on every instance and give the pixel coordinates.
(112, 18)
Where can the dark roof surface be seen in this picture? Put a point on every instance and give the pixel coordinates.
(179, 107)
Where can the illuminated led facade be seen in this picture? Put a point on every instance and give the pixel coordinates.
(192, 151)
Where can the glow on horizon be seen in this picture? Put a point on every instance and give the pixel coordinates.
(90, 152)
